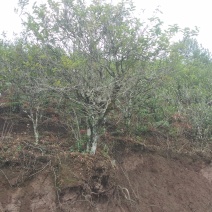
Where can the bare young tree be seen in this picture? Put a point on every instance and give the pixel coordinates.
(23, 69)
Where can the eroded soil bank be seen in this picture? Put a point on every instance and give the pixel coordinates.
(131, 181)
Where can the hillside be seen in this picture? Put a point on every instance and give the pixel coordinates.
(102, 110)
(131, 176)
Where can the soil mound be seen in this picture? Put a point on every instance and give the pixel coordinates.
(125, 177)
(133, 181)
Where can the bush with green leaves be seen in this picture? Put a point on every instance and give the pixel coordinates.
(110, 56)
(97, 57)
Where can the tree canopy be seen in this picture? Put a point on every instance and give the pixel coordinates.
(100, 58)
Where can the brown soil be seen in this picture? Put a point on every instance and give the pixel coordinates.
(128, 177)
(141, 181)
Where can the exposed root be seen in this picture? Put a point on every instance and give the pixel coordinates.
(6, 178)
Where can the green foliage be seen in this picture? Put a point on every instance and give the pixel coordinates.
(80, 145)
(94, 58)
(188, 86)
(108, 55)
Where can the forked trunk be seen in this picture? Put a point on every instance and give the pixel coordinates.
(34, 118)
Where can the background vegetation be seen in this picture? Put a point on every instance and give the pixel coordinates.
(97, 64)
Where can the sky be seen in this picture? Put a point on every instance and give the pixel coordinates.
(185, 13)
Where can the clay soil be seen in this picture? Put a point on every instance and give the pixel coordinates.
(129, 177)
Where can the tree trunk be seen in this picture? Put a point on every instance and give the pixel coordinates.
(95, 138)
(93, 135)
(34, 118)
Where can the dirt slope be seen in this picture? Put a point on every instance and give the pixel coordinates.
(163, 184)
(142, 181)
